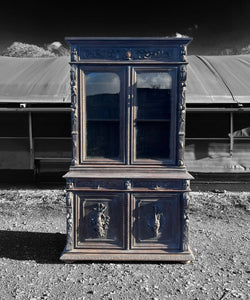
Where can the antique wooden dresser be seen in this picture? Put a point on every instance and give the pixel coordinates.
(127, 187)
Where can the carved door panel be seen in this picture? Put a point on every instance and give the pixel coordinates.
(156, 221)
(100, 220)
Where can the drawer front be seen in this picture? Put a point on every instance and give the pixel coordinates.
(100, 184)
(100, 220)
(156, 221)
(130, 185)
(158, 185)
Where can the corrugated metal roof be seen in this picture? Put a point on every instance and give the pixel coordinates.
(211, 79)
(218, 79)
(203, 86)
(34, 79)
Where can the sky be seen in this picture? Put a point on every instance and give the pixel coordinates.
(214, 25)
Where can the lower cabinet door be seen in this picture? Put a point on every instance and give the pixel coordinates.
(100, 220)
(156, 221)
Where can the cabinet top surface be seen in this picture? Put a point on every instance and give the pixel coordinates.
(128, 40)
(181, 39)
(138, 174)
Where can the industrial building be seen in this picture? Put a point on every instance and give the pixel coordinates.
(35, 114)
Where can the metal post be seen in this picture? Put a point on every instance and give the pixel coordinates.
(31, 142)
(231, 134)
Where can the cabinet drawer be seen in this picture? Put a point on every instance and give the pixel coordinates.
(158, 185)
(100, 184)
(131, 185)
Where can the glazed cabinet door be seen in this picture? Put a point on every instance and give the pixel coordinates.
(100, 220)
(156, 221)
(102, 119)
(153, 115)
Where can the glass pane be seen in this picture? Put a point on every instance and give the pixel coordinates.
(153, 95)
(152, 140)
(103, 139)
(103, 115)
(103, 96)
(153, 114)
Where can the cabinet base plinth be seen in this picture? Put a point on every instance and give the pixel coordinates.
(129, 255)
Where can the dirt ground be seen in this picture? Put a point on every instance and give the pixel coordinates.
(32, 236)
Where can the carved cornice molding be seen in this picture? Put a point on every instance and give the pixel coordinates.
(127, 53)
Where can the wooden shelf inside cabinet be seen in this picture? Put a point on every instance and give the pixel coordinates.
(103, 120)
(127, 187)
(152, 120)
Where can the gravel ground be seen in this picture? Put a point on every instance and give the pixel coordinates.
(32, 236)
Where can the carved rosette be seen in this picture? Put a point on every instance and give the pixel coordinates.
(69, 218)
(74, 113)
(182, 116)
(185, 237)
